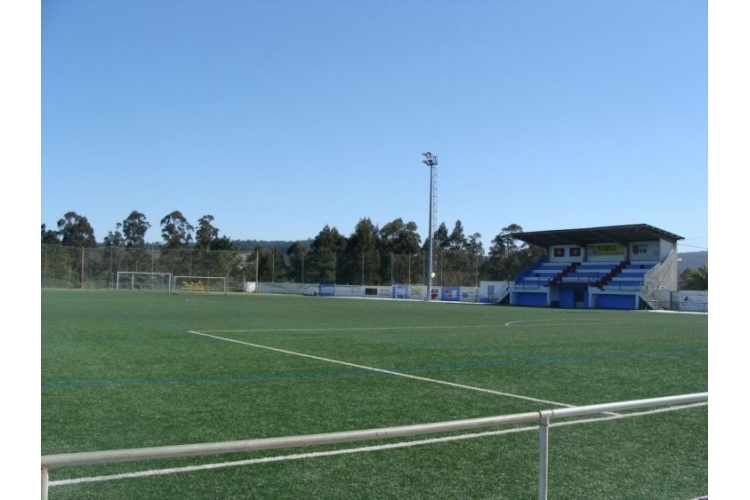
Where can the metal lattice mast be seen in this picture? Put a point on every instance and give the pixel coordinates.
(431, 161)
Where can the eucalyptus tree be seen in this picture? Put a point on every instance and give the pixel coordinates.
(325, 250)
(57, 263)
(75, 231)
(507, 257)
(361, 264)
(224, 258)
(176, 231)
(271, 265)
(114, 238)
(206, 232)
(214, 255)
(134, 229)
(399, 243)
(457, 239)
(49, 236)
(177, 234)
(133, 238)
(459, 258)
(296, 253)
(113, 242)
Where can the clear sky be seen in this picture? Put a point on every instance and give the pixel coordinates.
(281, 117)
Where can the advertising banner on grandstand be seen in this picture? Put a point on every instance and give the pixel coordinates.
(606, 251)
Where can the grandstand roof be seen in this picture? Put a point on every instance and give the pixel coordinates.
(593, 235)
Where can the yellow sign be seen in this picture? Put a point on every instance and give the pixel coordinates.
(608, 249)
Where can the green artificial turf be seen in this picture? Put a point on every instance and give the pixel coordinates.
(131, 369)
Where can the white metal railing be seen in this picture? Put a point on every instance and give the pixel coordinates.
(190, 450)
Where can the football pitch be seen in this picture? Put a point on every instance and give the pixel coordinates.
(142, 369)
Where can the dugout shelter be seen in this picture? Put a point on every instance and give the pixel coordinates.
(614, 267)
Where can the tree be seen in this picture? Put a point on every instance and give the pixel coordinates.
(457, 239)
(49, 236)
(75, 231)
(325, 249)
(695, 280)
(506, 257)
(114, 239)
(206, 233)
(398, 243)
(441, 236)
(362, 258)
(176, 230)
(296, 253)
(134, 230)
(506, 239)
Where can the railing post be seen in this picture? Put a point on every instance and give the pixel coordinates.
(543, 454)
(45, 483)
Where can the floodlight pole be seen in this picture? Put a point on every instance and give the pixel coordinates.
(431, 161)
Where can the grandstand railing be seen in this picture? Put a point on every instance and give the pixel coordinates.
(190, 450)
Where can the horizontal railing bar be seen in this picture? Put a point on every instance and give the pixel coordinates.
(190, 450)
(627, 405)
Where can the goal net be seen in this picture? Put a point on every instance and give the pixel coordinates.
(130, 280)
(206, 284)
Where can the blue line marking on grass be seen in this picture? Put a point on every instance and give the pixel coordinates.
(248, 378)
(404, 369)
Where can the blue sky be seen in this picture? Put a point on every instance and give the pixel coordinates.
(279, 118)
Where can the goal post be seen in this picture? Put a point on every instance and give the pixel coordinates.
(133, 280)
(200, 284)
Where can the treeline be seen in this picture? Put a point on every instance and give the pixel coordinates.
(371, 255)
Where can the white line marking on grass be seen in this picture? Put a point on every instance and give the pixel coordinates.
(544, 322)
(388, 372)
(348, 329)
(363, 449)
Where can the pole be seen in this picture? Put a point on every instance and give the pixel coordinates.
(543, 486)
(45, 483)
(430, 161)
(83, 268)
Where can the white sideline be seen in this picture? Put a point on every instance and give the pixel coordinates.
(362, 449)
(389, 372)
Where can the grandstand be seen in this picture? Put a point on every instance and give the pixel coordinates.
(614, 267)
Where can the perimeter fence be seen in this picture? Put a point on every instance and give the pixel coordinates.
(542, 419)
(97, 268)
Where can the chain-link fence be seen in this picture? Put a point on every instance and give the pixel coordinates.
(97, 268)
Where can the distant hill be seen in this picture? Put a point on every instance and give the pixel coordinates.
(692, 260)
